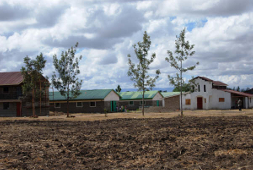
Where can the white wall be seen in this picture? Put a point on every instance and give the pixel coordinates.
(251, 103)
(211, 96)
(158, 97)
(112, 96)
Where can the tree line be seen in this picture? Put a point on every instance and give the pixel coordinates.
(65, 78)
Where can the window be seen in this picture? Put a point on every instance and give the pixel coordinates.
(79, 104)
(205, 100)
(131, 103)
(221, 100)
(6, 106)
(6, 90)
(187, 101)
(193, 88)
(57, 105)
(198, 88)
(92, 104)
(204, 88)
(143, 103)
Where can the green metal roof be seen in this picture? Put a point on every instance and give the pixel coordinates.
(168, 94)
(137, 95)
(85, 95)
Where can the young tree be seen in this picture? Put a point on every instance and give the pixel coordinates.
(67, 82)
(118, 89)
(32, 74)
(186, 87)
(139, 74)
(182, 52)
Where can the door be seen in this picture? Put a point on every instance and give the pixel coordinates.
(157, 103)
(113, 106)
(199, 103)
(18, 109)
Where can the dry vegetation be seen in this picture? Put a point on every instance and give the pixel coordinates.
(129, 141)
(135, 115)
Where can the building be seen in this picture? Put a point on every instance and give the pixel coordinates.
(89, 101)
(133, 100)
(250, 91)
(13, 102)
(171, 100)
(210, 94)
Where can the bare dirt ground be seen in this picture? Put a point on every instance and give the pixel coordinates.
(135, 115)
(222, 141)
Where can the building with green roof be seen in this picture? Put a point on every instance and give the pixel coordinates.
(133, 100)
(89, 101)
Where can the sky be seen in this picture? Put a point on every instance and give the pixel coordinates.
(221, 30)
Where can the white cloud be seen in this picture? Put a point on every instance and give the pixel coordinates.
(222, 31)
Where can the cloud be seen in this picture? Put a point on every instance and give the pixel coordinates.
(13, 12)
(221, 30)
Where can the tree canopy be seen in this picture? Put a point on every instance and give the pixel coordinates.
(67, 82)
(139, 72)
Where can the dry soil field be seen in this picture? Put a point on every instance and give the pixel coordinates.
(211, 142)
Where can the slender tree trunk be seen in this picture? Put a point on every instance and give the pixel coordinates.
(40, 97)
(33, 106)
(181, 96)
(143, 102)
(68, 102)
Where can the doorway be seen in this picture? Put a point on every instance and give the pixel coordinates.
(113, 106)
(199, 103)
(18, 109)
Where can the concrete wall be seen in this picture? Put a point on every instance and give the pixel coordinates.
(158, 96)
(137, 104)
(112, 96)
(86, 108)
(172, 103)
(11, 112)
(210, 98)
(250, 102)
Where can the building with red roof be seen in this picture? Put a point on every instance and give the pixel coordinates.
(210, 94)
(12, 100)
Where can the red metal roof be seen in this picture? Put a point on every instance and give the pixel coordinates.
(216, 83)
(219, 83)
(10, 78)
(237, 92)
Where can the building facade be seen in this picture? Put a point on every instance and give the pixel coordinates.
(89, 101)
(12, 101)
(133, 100)
(210, 94)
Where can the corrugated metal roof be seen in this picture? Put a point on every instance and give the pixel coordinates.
(98, 94)
(137, 95)
(237, 92)
(219, 83)
(216, 83)
(10, 78)
(204, 78)
(169, 94)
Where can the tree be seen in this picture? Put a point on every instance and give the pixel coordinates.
(139, 72)
(182, 52)
(32, 74)
(67, 82)
(185, 87)
(118, 89)
(238, 89)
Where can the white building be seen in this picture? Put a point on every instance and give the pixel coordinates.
(214, 95)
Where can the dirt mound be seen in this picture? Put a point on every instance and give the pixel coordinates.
(175, 143)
